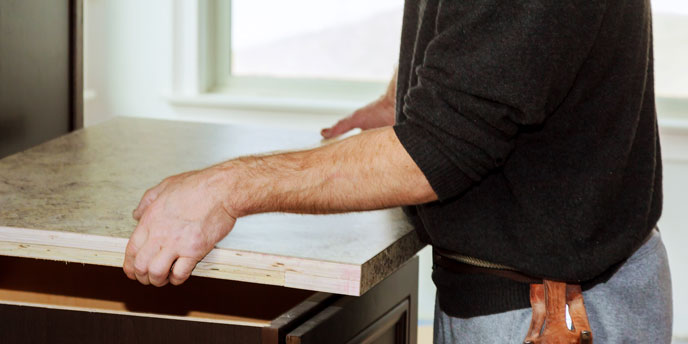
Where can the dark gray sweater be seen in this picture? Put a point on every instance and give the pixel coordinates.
(534, 122)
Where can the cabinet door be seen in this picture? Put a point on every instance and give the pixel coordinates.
(40, 71)
(385, 314)
(391, 328)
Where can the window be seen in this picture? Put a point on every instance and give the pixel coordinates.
(671, 47)
(346, 49)
(327, 50)
(670, 26)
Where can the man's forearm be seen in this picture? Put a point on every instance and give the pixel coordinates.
(368, 171)
(182, 218)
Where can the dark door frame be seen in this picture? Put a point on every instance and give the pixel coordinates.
(76, 63)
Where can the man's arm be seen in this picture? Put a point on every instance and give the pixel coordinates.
(183, 218)
(365, 172)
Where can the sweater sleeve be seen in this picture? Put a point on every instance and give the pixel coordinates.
(491, 69)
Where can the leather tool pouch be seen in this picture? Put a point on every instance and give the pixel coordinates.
(548, 325)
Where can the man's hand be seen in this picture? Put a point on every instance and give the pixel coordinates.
(180, 221)
(377, 114)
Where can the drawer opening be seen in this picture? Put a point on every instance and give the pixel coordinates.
(53, 284)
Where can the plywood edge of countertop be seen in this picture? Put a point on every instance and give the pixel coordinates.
(226, 264)
(388, 260)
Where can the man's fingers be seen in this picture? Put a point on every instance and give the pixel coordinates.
(159, 268)
(143, 260)
(341, 127)
(128, 266)
(182, 270)
(137, 240)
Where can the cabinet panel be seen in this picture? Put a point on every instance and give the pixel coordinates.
(386, 313)
(40, 63)
(391, 328)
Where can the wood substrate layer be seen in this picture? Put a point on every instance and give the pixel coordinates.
(236, 265)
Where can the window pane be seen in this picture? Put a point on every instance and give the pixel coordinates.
(325, 39)
(670, 22)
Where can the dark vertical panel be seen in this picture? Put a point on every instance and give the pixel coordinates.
(76, 62)
(387, 312)
(35, 73)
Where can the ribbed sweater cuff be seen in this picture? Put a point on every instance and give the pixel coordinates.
(445, 178)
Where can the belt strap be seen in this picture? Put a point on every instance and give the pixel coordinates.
(455, 266)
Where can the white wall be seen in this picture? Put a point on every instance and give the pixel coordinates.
(674, 222)
(129, 69)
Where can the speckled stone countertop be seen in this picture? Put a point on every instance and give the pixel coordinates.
(88, 183)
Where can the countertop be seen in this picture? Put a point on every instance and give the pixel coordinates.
(71, 199)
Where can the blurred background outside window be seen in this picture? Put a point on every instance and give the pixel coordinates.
(318, 39)
(671, 47)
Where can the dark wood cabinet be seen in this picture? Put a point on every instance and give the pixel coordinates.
(40, 71)
(55, 302)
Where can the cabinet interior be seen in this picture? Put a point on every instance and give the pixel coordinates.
(84, 287)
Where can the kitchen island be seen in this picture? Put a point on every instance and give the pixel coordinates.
(274, 278)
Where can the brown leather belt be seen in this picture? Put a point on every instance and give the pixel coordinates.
(455, 266)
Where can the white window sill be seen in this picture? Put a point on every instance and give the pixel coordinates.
(267, 104)
(335, 97)
(673, 125)
(672, 115)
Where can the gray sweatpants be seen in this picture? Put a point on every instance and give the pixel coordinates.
(633, 306)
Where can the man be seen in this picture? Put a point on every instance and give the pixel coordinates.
(526, 138)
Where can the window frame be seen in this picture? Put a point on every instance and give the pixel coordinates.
(202, 71)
